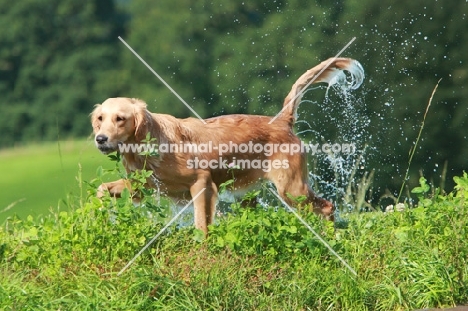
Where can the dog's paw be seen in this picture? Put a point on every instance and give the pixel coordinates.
(101, 191)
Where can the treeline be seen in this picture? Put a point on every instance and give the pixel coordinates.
(59, 58)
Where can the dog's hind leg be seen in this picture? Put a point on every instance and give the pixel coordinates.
(204, 204)
(293, 183)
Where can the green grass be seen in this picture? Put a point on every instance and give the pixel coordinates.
(253, 259)
(36, 177)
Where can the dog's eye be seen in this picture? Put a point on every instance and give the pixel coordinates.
(120, 119)
(99, 118)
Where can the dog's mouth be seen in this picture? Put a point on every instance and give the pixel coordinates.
(107, 148)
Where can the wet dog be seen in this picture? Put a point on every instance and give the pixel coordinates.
(182, 174)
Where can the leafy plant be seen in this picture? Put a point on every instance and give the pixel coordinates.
(141, 194)
(228, 185)
(422, 192)
(266, 231)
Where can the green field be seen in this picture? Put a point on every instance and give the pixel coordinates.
(36, 177)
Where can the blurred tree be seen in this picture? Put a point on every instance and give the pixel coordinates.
(223, 57)
(181, 44)
(55, 57)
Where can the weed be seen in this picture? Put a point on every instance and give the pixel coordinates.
(413, 150)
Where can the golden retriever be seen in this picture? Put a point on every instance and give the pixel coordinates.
(125, 121)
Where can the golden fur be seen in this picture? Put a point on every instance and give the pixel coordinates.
(127, 121)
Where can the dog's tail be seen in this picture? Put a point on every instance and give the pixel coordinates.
(330, 71)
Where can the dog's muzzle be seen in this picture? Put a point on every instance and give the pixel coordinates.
(102, 142)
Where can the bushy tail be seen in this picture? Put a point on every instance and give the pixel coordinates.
(330, 71)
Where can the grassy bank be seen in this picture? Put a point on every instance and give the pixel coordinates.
(254, 259)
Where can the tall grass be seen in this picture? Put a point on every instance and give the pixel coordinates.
(413, 150)
(253, 259)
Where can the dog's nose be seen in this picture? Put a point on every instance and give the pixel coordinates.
(100, 139)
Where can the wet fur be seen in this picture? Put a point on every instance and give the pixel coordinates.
(127, 120)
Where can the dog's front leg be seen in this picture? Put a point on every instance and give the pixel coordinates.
(204, 204)
(114, 188)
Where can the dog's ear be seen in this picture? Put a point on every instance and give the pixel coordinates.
(142, 121)
(94, 117)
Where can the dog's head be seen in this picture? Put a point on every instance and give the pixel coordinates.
(118, 120)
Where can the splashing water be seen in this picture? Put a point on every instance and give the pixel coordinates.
(338, 171)
(334, 174)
